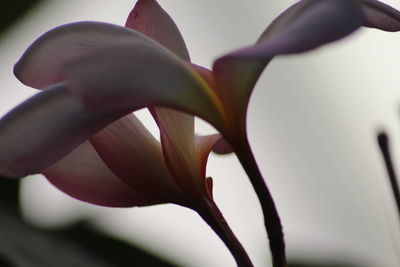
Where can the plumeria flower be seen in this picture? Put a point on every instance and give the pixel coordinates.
(80, 131)
(123, 165)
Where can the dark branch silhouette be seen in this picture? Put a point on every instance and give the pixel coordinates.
(383, 141)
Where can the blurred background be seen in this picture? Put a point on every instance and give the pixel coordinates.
(313, 121)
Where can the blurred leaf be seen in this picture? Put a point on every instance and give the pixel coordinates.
(79, 245)
(4, 262)
(115, 251)
(11, 11)
(24, 245)
(9, 192)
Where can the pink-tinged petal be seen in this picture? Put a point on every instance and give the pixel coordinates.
(44, 129)
(141, 74)
(133, 154)
(83, 175)
(206, 144)
(380, 16)
(178, 146)
(304, 26)
(149, 18)
(176, 128)
(42, 63)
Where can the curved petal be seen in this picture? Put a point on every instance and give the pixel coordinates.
(141, 74)
(304, 26)
(380, 16)
(42, 63)
(178, 143)
(150, 19)
(44, 129)
(206, 144)
(133, 154)
(83, 175)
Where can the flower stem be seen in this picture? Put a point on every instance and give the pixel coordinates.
(213, 216)
(271, 217)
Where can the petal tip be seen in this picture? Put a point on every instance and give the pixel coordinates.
(380, 16)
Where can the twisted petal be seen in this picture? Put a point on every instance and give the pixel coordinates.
(380, 16)
(83, 175)
(133, 154)
(123, 81)
(44, 129)
(176, 128)
(140, 74)
(102, 55)
(304, 26)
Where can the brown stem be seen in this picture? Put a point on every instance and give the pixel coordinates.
(213, 216)
(271, 217)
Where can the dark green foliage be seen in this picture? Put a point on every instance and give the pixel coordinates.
(115, 251)
(79, 245)
(13, 10)
(9, 192)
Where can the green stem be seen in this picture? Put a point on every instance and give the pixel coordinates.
(213, 216)
(271, 217)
